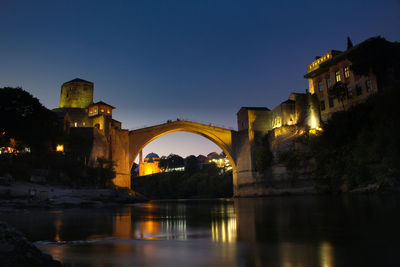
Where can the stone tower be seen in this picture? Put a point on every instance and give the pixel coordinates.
(77, 93)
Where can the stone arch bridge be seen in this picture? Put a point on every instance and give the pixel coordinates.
(126, 145)
(220, 136)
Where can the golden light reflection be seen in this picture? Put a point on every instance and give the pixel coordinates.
(57, 226)
(123, 226)
(149, 228)
(326, 254)
(224, 230)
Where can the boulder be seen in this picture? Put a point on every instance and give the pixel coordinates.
(16, 250)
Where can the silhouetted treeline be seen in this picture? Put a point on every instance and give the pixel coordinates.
(205, 183)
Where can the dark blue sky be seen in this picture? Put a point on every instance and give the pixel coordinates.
(195, 59)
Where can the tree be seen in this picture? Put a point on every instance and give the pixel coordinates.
(25, 119)
(170, 162)
(105, 172)
(378, 56)
(191, 165)
(339, 91)
(349, 43)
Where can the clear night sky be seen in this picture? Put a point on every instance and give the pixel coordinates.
(195, 59)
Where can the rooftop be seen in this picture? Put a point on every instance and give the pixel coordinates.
(78, 80)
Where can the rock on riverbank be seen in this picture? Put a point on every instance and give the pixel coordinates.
(16, 250)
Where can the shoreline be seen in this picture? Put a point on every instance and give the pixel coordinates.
(26, 194)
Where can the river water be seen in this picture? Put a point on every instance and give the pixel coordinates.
(290, 231)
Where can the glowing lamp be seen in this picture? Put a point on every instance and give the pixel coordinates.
(60, 148)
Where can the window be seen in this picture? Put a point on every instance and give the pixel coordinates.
(322, 105)
(368, 85)
(320, 86)
(108, 110)
(337, 75)
(75, 124)
(349, 92)
(331, 102)
(347, 72)
(358, 89)
(328, 82)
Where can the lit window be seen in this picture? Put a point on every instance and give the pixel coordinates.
(102, 110)
(75, 124)
(337, 75)
(322, 105)
(90, 110)
(320, 86)
(346, 72)
(108, 111)
(95, 110)
(331, 102)
(84, 123)
(368, 85)
(349, 92)
(328, 82)
(358, 89)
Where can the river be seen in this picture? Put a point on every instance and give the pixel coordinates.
(287, 231)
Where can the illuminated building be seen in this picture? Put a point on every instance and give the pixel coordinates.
(149, 165)
(220, 160)
(77, 93)
(334, 67)
(81, 118)
(77, 109)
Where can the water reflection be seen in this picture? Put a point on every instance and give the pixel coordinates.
(289, 232)
(223, 223)
(326, 254)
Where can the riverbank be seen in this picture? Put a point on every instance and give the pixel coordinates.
(16, 250)
(25, 194)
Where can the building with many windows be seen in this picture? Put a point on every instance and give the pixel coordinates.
(333, 67)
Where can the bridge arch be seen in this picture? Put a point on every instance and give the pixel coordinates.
(220, 136)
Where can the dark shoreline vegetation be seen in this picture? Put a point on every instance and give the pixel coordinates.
(359, 146)
(208, 182)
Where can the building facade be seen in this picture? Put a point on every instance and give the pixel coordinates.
(77, 109)
(150, 164)
(334, 67)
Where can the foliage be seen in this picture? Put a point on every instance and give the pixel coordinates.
(25, 119)
(170, 162)
(207, 182)
(263, 158)
(349, 43)
(294, 161)
(105, 172)
(339, 91)
(263, 155)
(191, 164)
(360, 145)
(378, 56)
(57, 169)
